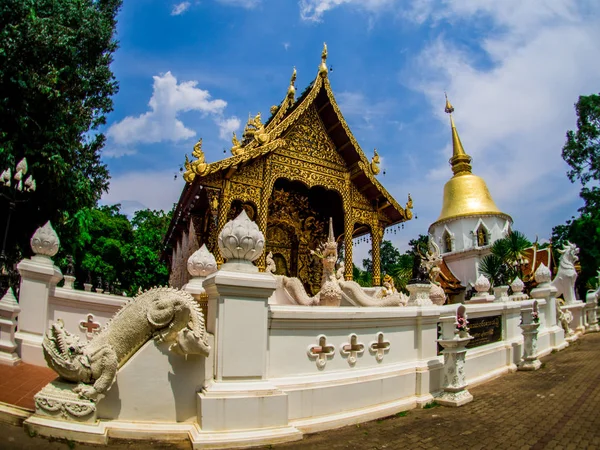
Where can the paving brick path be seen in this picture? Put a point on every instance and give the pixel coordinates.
(19, 384)
(553, 408)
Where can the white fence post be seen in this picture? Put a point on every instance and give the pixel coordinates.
(39, 277)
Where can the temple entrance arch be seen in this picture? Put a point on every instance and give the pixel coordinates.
(297, 222)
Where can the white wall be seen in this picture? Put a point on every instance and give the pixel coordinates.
(407, 376)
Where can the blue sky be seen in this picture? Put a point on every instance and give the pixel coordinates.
(513, 70)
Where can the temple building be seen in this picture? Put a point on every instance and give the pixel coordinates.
(290, 174)
(469, 223)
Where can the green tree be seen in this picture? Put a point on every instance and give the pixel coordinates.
(118, 251)
(146, 267)
(582, 152)
(389, 256)
(103, 249)
(55, 91)
(393, 263)
(362, 277)
(507, 259)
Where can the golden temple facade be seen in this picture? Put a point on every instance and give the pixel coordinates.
(290, 174)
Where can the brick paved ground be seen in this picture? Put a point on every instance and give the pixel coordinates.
(553, 408)
(19, 384)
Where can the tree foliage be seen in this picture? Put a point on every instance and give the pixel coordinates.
(393, 263)
(120, 252)
(507, 259)
(582, 152)
(55, 90)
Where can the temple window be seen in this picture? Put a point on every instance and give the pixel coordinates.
(447, 241)
(482, 236)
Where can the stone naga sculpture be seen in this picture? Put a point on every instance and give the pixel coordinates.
(330, 293)
(354, 292)
(566, 276)
(165, 314)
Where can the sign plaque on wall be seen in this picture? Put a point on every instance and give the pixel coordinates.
(485, 330)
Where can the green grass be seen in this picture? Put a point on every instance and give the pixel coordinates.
(402, 414)
(430, 405)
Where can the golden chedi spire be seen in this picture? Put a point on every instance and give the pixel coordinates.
(460, 161)
(465, 194)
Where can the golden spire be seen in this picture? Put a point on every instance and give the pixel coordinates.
(323, 70)
(465, 194)
(460, 161)
(292, 89)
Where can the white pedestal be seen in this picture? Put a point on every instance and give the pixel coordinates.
(576, 325)
(591, 318)
(480, 297)
(239, 397)
(69, 280)
(39, 276)
(419, 294)
(454, 382)
(530, 334)
(9, 310)
(501, 294)
(557, 335)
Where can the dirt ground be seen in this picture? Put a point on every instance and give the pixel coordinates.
(552, 408)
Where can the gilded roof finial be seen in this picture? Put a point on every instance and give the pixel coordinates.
(292, 89)
(197, 167)
(375, 162)
(323, 70)
(460, 161)
(236, 148)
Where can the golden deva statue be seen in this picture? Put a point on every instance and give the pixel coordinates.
(408, 208)
(375, 162)
(255, 129)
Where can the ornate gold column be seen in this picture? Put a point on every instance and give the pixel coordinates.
(263, 212)
(376, 237)
(224, 205)
(348, 230)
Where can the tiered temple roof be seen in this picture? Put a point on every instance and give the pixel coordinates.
(306, 141)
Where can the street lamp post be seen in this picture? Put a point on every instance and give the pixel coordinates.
(12, 187)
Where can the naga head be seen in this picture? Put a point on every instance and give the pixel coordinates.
(64, 354)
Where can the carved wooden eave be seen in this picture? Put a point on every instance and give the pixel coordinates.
(451, 285)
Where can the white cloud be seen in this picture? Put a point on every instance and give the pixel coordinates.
(313, 10)
(161, 123)
(355, 104)
(243, 3)
(512, 114)
(227, 126)
(141, 190)
(286, 46)
(180, 8)
(117, 152)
